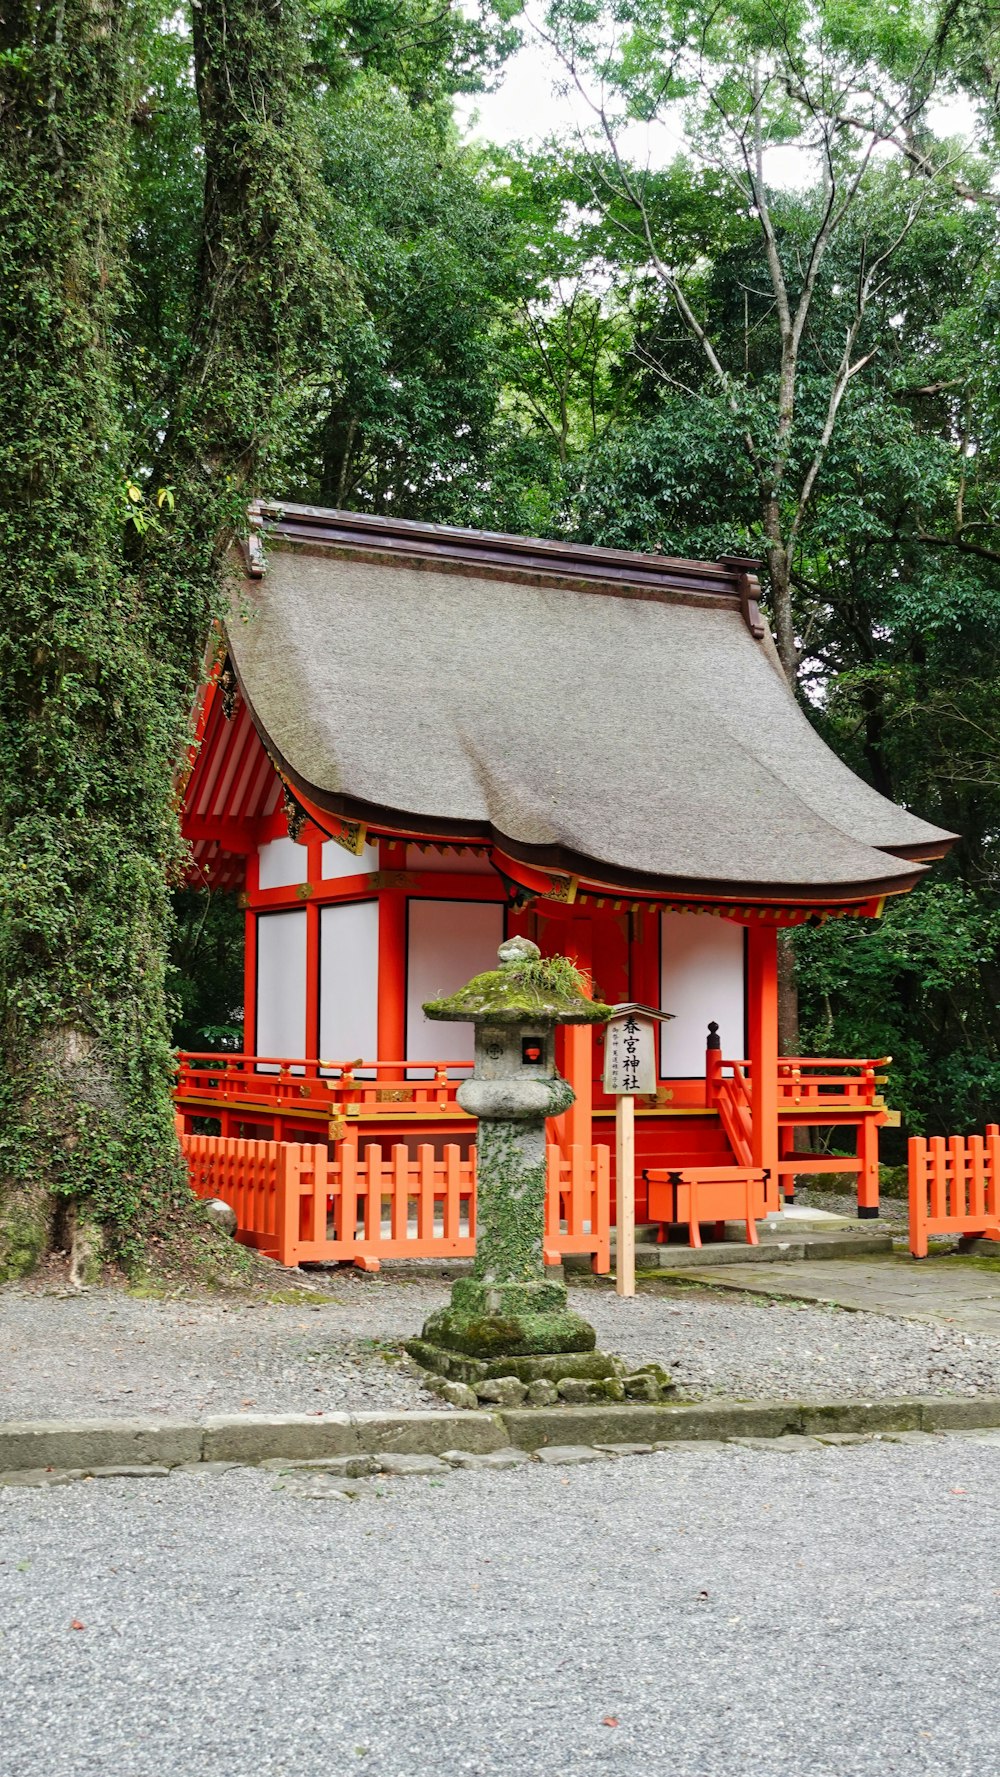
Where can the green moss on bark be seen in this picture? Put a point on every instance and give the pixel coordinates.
(24, 1232)
(104, 622)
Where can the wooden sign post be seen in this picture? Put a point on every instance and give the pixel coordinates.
(625, 1175)
(629, 1069)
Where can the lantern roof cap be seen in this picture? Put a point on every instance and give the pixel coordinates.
(527, 988)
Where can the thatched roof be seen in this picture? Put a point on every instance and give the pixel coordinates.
(621, 717)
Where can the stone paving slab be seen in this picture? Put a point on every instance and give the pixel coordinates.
(774, 1247)
(907, 1289)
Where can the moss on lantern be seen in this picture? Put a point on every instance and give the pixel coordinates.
(510, 1307)
(523, 989)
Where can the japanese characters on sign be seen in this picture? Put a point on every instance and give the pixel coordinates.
(629, 1055)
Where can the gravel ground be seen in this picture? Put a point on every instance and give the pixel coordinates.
(108, 1353)
(701, 1613)
(893, 1211)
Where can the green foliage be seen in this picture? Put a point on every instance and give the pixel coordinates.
(205, 970)
(921, 985)
(86, 832)
(428, 49)
(400, 414)
(671, 482)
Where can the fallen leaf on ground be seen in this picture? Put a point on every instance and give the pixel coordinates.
(609, 1721)
(76, 1624)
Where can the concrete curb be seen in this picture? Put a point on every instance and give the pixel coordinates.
(657, 1261)
(250, 1438)
(242, 1437)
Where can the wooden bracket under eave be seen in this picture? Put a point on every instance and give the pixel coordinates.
(748, 588)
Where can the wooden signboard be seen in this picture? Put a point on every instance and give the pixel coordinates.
(630, 1054)
(629, 1068)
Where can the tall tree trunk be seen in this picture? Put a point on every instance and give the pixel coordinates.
(781, 605)
(337, 443)
(98, 637)
(85, 830)
(780, 572)
(265, 284)
(788, 997)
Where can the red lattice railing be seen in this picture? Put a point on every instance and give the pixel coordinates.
(209, 1082)
(296, 1204)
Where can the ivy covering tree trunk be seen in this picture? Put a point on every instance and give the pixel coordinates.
(112, 573)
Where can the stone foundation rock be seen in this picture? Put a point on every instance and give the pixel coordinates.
(641, 1388)
(502, 1391)
(539, 1380)
(221, 1215)
(550, 1366)
(578, 1391)
(542, 1393)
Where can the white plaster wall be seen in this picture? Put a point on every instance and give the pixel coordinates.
(338, 861)
(448, 941)
(701, 978)
(281, 983)
(283, 864)
(348, 981)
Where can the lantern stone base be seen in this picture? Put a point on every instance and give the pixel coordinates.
(501, 1320)
(588, 1366)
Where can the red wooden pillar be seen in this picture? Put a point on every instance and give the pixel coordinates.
(579, 1046)
(868, 1176)
(314, 871)
(391, 975)
(786, 1151)
(762, 1023)
(250, 959)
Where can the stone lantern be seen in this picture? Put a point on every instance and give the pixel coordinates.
(509, 1319)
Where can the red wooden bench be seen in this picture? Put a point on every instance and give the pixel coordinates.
(695, 1194)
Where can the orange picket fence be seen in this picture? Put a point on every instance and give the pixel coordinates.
(954, 1187)
(296, 1204)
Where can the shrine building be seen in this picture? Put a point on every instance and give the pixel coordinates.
(416, 740)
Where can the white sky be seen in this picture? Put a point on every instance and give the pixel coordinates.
(527, 108)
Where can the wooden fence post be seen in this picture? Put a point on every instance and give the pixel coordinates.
(286, 1201)
(600, 1226)
(917, 1171)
